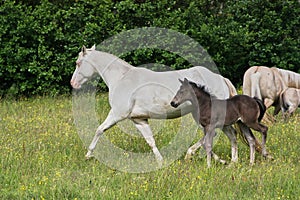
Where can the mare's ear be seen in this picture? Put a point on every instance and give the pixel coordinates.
(83, 50)
(186, 80)
(93, 47)
(181, 81)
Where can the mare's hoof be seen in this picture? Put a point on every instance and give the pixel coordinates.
(89, 155)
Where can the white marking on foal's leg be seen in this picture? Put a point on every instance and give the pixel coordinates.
(231, 134)
(191, 151)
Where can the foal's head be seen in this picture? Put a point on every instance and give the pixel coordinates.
(184, 93)
(190, 91)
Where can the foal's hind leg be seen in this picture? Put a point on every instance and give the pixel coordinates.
(263, 129)
(143, 126)
(250, 139)
(231, 134)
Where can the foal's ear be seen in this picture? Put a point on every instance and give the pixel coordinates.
(93, 47)
(181, 81)
(186, 80)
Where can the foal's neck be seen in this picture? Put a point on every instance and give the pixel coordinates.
(202, 97)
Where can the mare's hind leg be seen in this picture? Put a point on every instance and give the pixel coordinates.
(231, 134)
(110, 121)
(143, 126)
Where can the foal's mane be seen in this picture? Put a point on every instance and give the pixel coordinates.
(202, 88)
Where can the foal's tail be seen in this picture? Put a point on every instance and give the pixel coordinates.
(262, 108)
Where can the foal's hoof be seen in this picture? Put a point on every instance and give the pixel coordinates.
(232, 165)
(268, 157)
(223, 162)
(188, 157)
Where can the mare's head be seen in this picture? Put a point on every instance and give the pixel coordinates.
(184, 93)
(84, 70)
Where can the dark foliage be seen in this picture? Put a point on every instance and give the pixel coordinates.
(41, 38)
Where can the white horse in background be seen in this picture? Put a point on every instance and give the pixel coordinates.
(139, 94)
(289, 101)
(268, 83)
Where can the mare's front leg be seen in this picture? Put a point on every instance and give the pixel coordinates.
(143, 126)
(231, 134)
(110, 121)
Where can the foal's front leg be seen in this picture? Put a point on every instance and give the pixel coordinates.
(208, 141)
(191, 151)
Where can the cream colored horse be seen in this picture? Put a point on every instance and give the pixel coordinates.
(268, 83)
(289, 101)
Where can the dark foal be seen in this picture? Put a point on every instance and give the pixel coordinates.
(214, 113)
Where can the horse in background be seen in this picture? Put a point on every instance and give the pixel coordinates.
(212, 113)
(289, 101)
(268, 83)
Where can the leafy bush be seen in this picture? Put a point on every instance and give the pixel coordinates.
(41, 38)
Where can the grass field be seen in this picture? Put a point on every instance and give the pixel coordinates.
(42, 157)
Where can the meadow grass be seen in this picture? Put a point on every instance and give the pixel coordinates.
(42, 157)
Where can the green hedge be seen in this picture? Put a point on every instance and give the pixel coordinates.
(41, 39)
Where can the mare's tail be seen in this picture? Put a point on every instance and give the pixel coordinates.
(255, 88)
(262, 108)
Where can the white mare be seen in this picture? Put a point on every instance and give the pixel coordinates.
(139, 94)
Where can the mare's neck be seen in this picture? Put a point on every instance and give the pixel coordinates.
(109, 67)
